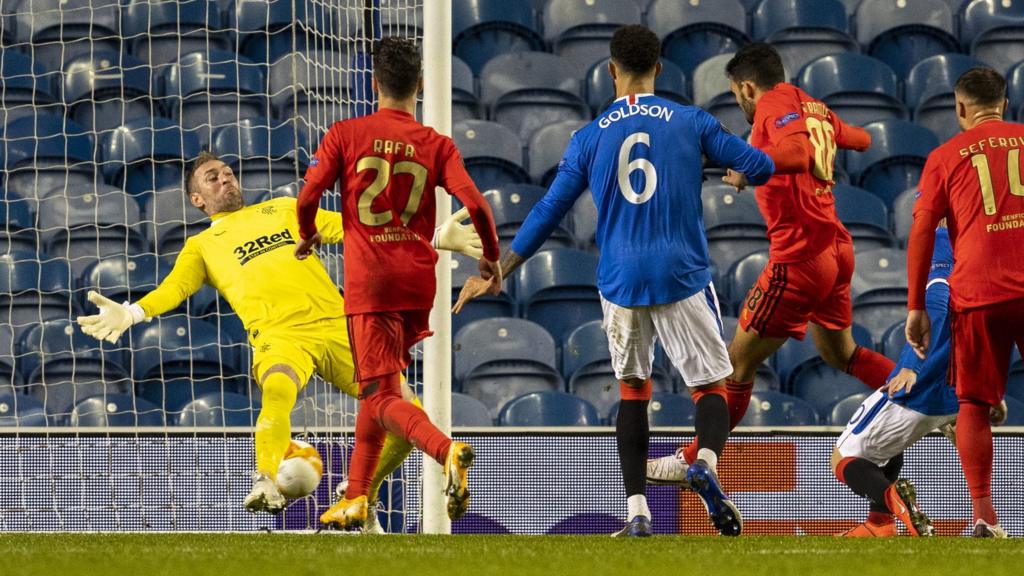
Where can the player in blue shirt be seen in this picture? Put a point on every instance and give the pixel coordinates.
(642, 159)
(868, 456)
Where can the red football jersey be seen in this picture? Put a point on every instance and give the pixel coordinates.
(799, 208)
(388, 165)
(974, 180)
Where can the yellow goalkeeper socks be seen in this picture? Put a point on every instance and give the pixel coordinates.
(273, 427)
(395, 452)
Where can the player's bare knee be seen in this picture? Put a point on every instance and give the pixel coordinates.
(834, 459)
(837, 357)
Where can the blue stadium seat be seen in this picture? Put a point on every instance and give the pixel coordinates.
(528, 90)
(903, 214)
(797, 355)
(170, 218)
(851, 6)
(219, 410)
(59, 30)
(493, 154)
(865, 215)
(901, 34)
(487, 306)
(298, 91)
(879, 288)
(465, 104)
(844, 410)
(692, 32)
(739, 279)
(127, 277)
(25, 87)
(330, 409)
(175, 346)
(895, 159)
(803, 30)
(34, 288)
(580, 30)
(85, 229)
(664, 409)
(711, 92)
(777, 409)
(147, 154)
(161, 32)
(18, 410)
(19, 233)
(547, 146)
(115, 410)
(468, 411)
(482, 30)
(822, 386)
(993, 32)
(859, 88)
(207, 90)
(46, 152)
(268, 30)
(894, 339)
(400, 20)
(670, 84)
(498, 359)
(511, 204)
(103, 89)
(1014, 411)
(583, 217)
(263, 153)
(929, 92)
(733, 223)
(173, 394)
(9, 373)
(548, 408)
(1015, 92)
(558, 290)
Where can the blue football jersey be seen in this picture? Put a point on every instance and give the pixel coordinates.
(642, 159)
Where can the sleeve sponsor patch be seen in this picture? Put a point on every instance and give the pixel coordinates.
(787, 119)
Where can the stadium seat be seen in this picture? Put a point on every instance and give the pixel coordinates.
(822, 386)
(548, 408)
(161, 32)
(18, 410)
(547, 146)
(59, 30)
(580, 30)
(895, 159)
(175, 346)
(528, 90)
(1015, 92)
(263, 153)
(468, 411)
(127, 277)
(173, 394)
(777, 409)
(25, 87)
(204, 91)
(803, 30)
(487, 306)
(797, 355)
(844, 410)
(267, 30)
(859, 88)
(583, 217)
(493, 154)
(929, 92)
(670, 84)
(511, 204)
(220, 410)
(901, 34)
(711, 92)
(465, 104)
(739, 279)
(498, 359)
(170, 218)
(103, 89)
(400, 20)
(733, 223)
(692, 32)
(115, 410)
(903, 214)
(324, 410)
(147, 154)
(558, 289)
(85, 229)
(865, 215)
(664, 409)
(19, 233)
(33, 290)
(879, 288)
(45, 152)
(894, 339)
(993, 32)
(1014, 411)
(300, 90)
(482, 30)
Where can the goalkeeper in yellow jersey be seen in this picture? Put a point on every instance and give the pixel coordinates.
(246, 254)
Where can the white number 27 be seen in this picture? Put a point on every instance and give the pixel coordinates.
(626, 168)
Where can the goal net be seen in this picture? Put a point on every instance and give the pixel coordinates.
(104, 104)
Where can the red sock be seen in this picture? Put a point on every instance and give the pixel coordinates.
(369, 438)
(737, 397)
(974, 443)
(881, 518)
(404, 419)
(869, 367)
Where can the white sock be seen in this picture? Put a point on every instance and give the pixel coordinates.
(637, 506)
(708, 455)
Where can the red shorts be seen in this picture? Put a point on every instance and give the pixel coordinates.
(788, 296)
(381, 340)
(982, 341)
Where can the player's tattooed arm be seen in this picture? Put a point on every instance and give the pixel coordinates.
(510, 262)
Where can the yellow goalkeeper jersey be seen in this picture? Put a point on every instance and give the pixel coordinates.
(248, 256)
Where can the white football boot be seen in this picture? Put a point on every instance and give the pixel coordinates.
(669, 469)
(983, 529)
(264, 497)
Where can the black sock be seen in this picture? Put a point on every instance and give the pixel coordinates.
(712, 423)
(868, 480)
(893, 468)
(632, 432)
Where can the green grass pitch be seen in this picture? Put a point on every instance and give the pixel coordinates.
(328, 554)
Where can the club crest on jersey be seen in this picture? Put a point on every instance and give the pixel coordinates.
(787, 119)
(263, 244)
(314, 162)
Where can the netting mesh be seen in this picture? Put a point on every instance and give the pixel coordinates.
(104, 104)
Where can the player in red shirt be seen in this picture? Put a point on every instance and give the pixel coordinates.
(974, 181)
(807, 279)
(389, 165)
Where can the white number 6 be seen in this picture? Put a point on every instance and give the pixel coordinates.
(626, 168)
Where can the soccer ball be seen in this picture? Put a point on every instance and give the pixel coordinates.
(300, 471)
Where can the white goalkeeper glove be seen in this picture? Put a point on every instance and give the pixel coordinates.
(112, 320)
(455, 236)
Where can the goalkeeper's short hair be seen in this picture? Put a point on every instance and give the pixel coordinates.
(204, 157)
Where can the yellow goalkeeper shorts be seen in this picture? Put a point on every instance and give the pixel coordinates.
(321, 346)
